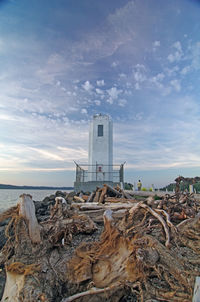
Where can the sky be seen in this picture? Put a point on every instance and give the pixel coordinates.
(62, 61)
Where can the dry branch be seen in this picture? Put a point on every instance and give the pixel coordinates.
(161, 221)
(93, 291)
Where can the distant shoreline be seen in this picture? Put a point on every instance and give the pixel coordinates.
(13, 187)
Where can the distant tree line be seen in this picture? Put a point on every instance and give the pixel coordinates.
(10, 187)
(183, 187)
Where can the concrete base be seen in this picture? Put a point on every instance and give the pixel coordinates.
(92, 185)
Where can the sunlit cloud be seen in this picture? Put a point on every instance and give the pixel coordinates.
(47, 154)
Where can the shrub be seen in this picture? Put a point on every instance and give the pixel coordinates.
(156, 197)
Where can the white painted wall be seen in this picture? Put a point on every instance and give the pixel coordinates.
(101, 149)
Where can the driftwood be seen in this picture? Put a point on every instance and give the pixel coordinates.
(164, 224)
(78, 198)
(27, 211)
(196, 296)
(119, 200)
(123, 193)
(138, 251)
(113, 191)
(97, 195)
(118, 258)
(101, 194)
(91, 197)
(34, 268)
(92, 291)
(105, 206)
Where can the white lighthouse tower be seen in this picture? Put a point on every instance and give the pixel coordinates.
(100, 159)
(100, 169)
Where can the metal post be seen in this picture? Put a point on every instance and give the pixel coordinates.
(191, 189)
(121, 173)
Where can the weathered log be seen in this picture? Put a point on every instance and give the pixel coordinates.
(78, 198)
(97, 206)
(84, 197)
(14, 284)
(91, 197)
(123, 193)
(113, 191)
(97, 196)
(196, 294)
(128, 196)
(120, 190)
(103, 193)
(15, 280)
(27, 211)
(119, 200)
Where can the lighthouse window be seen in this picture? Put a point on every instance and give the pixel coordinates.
(100, 130)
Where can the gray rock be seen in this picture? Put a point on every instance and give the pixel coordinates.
(2, 281)
(60, 194)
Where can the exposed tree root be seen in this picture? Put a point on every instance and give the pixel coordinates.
(9, 213)
(139, 257)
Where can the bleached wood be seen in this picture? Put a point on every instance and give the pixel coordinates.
(97, 206)
(92, 291)
(79, 199)
(27, 211)
(196, 295)
(14, 284)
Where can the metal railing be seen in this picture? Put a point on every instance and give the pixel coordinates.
(104, 172)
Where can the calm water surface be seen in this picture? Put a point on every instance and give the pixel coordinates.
(9, 198)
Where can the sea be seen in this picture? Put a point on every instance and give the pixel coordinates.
(9, 198)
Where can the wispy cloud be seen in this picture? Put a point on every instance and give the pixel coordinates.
(87, 86)
(113, 94)
(177, 53)
(100, 83)
(57, 72)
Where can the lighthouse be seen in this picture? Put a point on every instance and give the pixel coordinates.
(100, 155)
(100, 168)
